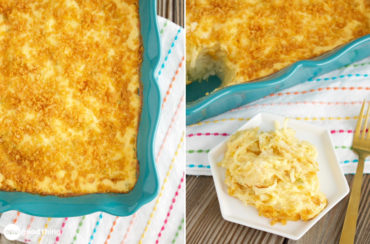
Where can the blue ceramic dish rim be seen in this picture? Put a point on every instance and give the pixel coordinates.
(147, 185)
(203, 102)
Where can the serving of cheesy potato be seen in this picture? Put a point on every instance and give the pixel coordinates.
(244, 40)
(69, 96)
(274, 172)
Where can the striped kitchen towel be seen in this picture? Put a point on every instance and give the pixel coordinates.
(332, 101)
(160, 221)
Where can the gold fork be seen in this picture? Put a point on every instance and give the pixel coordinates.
(361, 145)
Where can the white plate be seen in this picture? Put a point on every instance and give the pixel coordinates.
(332, 181)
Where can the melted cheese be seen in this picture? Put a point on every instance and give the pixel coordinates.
(274, 172)
(244, 40)
(69, 100)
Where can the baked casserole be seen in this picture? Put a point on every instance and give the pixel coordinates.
(70, 97)
(244, 40)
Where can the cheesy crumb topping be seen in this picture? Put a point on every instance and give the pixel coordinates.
(244, 40)
(69, 95)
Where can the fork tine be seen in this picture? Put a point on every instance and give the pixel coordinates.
(359, 121)
(365, 125)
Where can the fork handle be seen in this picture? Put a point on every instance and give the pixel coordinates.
(350, 221)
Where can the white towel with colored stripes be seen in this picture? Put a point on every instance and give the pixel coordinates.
(160, 221)
(332, 101)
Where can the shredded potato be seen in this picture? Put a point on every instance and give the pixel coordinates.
(274, 172)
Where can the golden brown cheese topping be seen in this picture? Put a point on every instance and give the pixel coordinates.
(243, 40)
(69, 95)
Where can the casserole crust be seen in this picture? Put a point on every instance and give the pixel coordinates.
(244, 40)
(70, 96)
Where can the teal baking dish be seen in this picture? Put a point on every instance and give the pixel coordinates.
(147, 185)
(200, 107)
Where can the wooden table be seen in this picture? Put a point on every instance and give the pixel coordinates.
(173, 10)
(204, 223)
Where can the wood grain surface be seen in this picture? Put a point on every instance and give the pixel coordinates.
(173, 10)
(204, 223)
(170, 9)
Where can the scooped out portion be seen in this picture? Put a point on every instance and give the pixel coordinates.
(274, 172)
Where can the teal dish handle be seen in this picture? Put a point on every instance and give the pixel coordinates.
(146, 188)
(232, 97)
